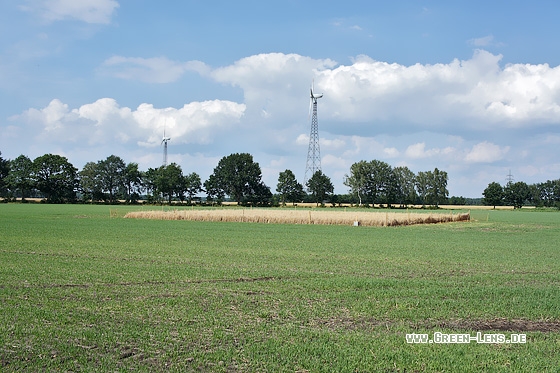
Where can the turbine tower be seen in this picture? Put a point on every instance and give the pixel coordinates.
(164, 143)
(313, 152)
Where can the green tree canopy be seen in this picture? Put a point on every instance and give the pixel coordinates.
(437, 190)
(112, 176)
(432, 187)
(320, 187)
(165, 182)
(132, 180)
(56, 178)
(171, 181)
(213, 189)
(21, 175)
(4, 171)
(546, 193)
(516, 194)
(289, 188)
(150, 183)
(357, 181)
(379, 184)
(371, 181)
(193, 185)
(404, 181)
(238, 176)
(493, 195)
(90, 183)
(422, 183)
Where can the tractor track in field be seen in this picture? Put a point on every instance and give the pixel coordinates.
(482, 325)
(86, 256)
(497, 324)
(143, 283)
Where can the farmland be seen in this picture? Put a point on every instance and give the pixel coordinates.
(301, 216)
(83, 289)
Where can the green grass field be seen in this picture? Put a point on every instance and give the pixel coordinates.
(81, 291)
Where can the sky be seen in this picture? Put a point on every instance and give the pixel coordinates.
(471, 88)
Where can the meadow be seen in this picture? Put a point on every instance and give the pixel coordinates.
(83, 289)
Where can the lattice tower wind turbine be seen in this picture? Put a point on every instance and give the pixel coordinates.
(164, 143)
(313, 163)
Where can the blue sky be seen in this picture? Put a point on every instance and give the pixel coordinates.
(472, 88)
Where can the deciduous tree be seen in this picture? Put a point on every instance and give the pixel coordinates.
(21, 176)
(379, 181)
(213, 190)
(4, 171)
(437, 190)
(112, 175)
(357, 181)
(371, 181)
(422, 183)
(56, 178)
(405, 191)
(516, 194)
(289, 188)
(171, 181)
(493, 195)
(90, 183)
(132, 180)
(320, 187)
(238, 176)
(193, 185)
(150, 182)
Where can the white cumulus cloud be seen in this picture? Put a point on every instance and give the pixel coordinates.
(473, 92)
(462, 94)
(391, 152)
(89, 11)
(486, 152)
(418, 151)
(332, 143)
(104, 121)
(302, 139)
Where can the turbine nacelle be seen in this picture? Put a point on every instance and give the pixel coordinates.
(315, 95)
(313, 100)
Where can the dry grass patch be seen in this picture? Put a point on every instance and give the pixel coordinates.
(302, 217)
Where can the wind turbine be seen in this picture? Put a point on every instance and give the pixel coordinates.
(164, 143)
(314, 151)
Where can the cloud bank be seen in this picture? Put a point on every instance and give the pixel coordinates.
(464, 116)
(104, 121)
(475, 92)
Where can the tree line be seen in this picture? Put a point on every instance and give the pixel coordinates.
(55, 179)
(519, 193)
(377, 182)
(236, 176)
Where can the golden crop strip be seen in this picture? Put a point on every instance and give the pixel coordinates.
(302, 217)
